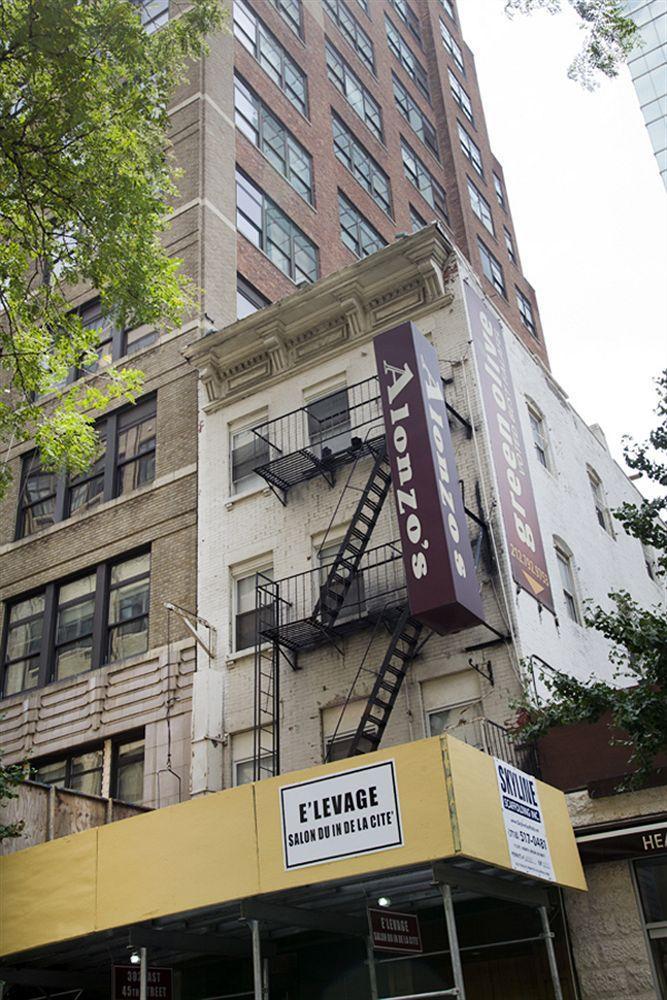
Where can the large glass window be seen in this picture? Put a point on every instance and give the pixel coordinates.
(358, 97)
(112, 769)
(290, 11)
(128, 771)
(129, 434)
(356, 232)
(351, 31)
(470, 149)
(652, 885)
(272, 57)
(329, 423)
(154, 13)
(248, 299)
(416, 220)
(81, 771)
(129, 591)
(268, 133)
(451, 45)
(77, 625)
(409, 19)
(361, 164)
(492, 269)
(461, 97)
(419, 175)
(526, 312)
(480, 207)
(407, 59)
(24, 645)
(414, 116)
(265, 224)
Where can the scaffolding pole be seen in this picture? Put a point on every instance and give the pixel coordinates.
(450, 920)
(257, 971)
(372, 973)
(551, 954)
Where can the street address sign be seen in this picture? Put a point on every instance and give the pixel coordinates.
(127, 978)
(394, 931)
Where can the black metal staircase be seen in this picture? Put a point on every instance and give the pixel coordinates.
(345, 566)
(402, 649)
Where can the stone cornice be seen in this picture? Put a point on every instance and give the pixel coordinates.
(316, 322)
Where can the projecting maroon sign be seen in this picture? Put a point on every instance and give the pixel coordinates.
(517, 501)
(394, 931)
(442, 587)
(127, 983)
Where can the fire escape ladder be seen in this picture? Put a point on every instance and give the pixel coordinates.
(344, 568)
(402, 649)
(266, 748)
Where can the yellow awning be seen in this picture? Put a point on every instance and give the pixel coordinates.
(231, 845)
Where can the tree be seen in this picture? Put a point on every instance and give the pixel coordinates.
(10, 776)
(609, 39)
(85, 178)
(638, 635)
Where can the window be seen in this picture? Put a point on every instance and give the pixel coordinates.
(443, 720)
(24, 645)
(601, 510)
(492, 269)
(127, 623)
(461, 97)
(356, 232)
(243, 746)
(127, 770)
(245, 616)
(540, 439)
(417, 173)
(364, 6)
(566, 572)
(415, 118)
(37, 498)
(526, 312)
(353, 606)
(351, 31)
(416, 220)
(352, 89)
(268, 228)
(80, 771)
(271, 56)
(329, 423)
(480, 207)
(500, 194)
(248, 299)
(77, 625)
(131, 436)
(509, 243)
(268, 133)
(470, 149)
(407, 59)
(290, 11)
(452, 46)
(248, 451)
(651, 875)
(448, 6)
(153, 13)
(361, 164)
(339, 726)
(409, 19)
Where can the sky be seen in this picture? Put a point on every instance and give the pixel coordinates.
(589, 210)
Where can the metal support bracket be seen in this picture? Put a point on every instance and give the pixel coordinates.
(485, 670)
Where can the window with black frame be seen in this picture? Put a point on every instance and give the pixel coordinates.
(356, 232)
(77, 625)
(37, 499)
(135, 447)
(651, 875)
(87, 490)
(80, 771)
(329, 426)
(248, 452)
(354, 604)
(127, 770)
(245, 612)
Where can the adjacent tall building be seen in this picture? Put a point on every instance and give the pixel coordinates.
(648, 66)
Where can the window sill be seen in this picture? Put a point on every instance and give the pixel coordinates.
(233, 659)
(231, 501)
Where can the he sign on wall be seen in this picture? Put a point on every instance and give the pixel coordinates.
(517, 501)
(127, 983)
(340, 815)
(442, 586)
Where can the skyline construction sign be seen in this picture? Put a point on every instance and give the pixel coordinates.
(508, 453)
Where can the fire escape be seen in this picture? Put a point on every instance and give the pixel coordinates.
(361, 587)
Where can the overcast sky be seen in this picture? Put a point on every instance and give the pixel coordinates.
(589, 208)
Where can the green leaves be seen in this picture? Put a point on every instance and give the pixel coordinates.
(85, 179)
(609, 35)
(10, 776)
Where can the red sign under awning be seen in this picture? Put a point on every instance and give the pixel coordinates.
(394, 931)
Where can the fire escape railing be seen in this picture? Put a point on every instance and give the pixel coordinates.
(500, 742)
(320, 437)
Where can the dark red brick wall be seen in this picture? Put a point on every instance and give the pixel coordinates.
(315, 133)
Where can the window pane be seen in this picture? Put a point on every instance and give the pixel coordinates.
(136, 566)
(136, 448)
(652, 883)
(51, 774)
(21, 676)
(129, 771)
(248, 452)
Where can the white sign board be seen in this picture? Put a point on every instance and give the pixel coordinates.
(524, 821)
(340, 816)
